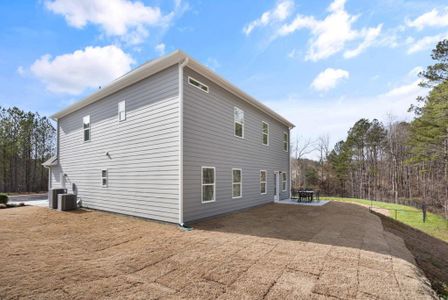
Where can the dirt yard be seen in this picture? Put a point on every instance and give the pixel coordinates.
(430, 253)
(275, 252)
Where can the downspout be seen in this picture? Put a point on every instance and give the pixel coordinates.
(181, 140)
(289, 159)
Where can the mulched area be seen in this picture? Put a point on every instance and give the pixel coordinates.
(274, 251)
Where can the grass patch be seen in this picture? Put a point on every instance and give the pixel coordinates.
(435, 225)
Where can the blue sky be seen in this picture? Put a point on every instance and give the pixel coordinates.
(322, 64)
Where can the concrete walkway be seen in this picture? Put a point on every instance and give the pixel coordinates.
(30, 199)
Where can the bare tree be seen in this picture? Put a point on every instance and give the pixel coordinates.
(301, 148)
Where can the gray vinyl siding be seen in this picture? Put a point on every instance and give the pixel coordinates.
(208, 140)
(143, 168)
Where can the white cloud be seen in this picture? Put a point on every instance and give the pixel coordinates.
(280, 12)
(160, 48)
(328, 79)
(89, 68)
(213, 63)
(123, 18)
(316, 117)
(415, 71)
(403, 90)
(330, 35)
(21, 71)
(292, 53)
(433, 18)
(370, 35)
(425, 43)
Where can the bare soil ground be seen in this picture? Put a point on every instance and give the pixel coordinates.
(275, 252)
(430, 253)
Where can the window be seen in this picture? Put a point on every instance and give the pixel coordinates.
(198, 84)
(236, 183)
(285, 141)
(263, 182)
(265, 133)
(208, 184)
(122, 111)
(86, 126)
(284, 182)
(104, 178)
(238, 118)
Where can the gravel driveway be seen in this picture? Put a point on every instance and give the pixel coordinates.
(275, 252)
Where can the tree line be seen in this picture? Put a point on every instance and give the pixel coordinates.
(26, 141)
(391, 161)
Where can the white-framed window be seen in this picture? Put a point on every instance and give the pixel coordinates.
(285, 141)
(237, 183)
(198, 84)
(238, 120)
(104, 180)
(283, 182)
(263, 182)
(265, 132)
(86, 128)
(208, 184)
(122, 110)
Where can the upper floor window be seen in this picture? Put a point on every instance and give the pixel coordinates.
(236, 183)
(238, 119)
(198, 84)
(285, 141)
(208, 184)
(122, 111)
(86, 127)
(265, 133)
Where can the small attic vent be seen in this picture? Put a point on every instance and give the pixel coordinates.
(198, 84)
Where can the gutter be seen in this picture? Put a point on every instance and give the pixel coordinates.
(181, 140)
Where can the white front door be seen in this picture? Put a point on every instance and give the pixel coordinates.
(276, 186)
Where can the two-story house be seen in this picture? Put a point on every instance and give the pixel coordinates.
(172, 141)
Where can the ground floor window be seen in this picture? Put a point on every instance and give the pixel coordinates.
(263, 182)
(236, 183)
(208, 184)
(104, 178)
(283, 181)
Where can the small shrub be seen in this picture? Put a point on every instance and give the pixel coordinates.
(3, 198)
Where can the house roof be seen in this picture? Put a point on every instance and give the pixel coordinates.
(52, 161)
(151, 67)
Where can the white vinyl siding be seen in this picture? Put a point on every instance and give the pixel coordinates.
(265, 133)
(86, 128)
(121, 111)
(284, 179)
(208, 140)
(237, 183)
(238, 120)
(208, 180)
(143, 162)
(263, 182)
(285, 142)
(104, 178)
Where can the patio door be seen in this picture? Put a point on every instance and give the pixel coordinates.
(276, 185)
